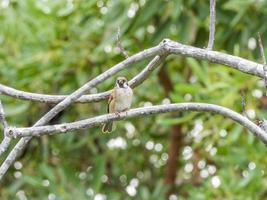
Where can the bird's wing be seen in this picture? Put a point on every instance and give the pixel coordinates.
(111, 101)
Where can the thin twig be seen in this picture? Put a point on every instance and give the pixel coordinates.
(44, 98)
(6, 141)
(119, 44)
(212, 24)
(144, 111)
(143, 75)
(263, 60)
(4, 144)
(2, 116)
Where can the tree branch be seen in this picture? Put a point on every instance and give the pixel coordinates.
(6, 141)
(44, 98)
(16, 151)
(164, 48)
(263, 60)
(235, 62)
(2, 116)
(212, 24)
(168, 46)
(4, 144)
(144, 111)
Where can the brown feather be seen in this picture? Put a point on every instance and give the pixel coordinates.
(119, 101)
(111, 102)
(107, 127)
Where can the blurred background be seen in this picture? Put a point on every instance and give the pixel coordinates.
(54, 47)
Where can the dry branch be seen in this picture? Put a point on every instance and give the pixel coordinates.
(2, 116)
(4, 144)
(44, 98)
(168, 47)
(234, 62)
(212, 24)
(6, 141)
(163, 49)
(263, 60)
(16, 151)
(137, 112)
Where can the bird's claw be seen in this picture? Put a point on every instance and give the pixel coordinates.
(117, 114)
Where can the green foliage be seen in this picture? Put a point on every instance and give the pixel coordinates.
(54, 47)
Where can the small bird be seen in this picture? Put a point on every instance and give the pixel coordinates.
(120, 100)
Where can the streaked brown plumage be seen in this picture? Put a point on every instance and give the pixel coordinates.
(120, 100)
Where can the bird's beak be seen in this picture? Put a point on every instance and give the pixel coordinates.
(125, 84)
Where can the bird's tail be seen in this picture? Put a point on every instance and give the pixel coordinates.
(107, 127)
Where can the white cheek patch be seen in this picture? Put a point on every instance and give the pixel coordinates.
(125, 85)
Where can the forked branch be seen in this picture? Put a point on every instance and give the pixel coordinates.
(45, 98)
(159, 53)
(167, 47)
(163, 49)
(16, 151)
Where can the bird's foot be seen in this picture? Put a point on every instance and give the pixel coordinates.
(125, 110)
(117, 114)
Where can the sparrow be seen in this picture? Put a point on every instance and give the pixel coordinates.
(120, 100)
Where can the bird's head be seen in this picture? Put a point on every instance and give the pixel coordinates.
(122, 82)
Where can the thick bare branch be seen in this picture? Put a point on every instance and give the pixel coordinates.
(158, 50)
(212, 24)
(235, 62)
(44, 98)
(144, 111)
(165, 48)
(263, 60)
